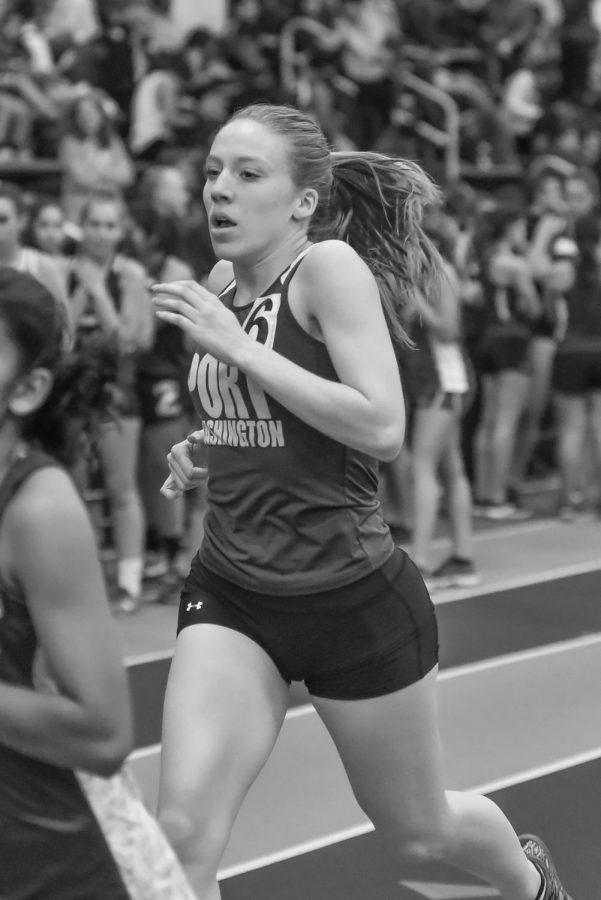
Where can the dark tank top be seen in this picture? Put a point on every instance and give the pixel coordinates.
(125, 399)
(51, 847)
(290, 510)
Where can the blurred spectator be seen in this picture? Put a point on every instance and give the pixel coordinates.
(169, 192)
(249, 56)
(25, 64)
(209, 84)
(108, 294)
(91, 155)
(512, 306)
(46, 228)
(577, 369)
(67, 22)
(526, 93)
(436, 381)
(578, 40)
(115, 58)
(547, 207)
(164, 406)
(500, 28)
(368, 34)
(155, 109)
(13, 253)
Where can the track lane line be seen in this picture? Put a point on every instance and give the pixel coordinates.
(346, 834)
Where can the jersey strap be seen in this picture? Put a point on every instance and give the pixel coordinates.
(20, 470)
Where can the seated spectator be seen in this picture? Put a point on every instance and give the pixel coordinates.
(92, 156)
(25, 64)
(249, 57)
(209, 85)
(500, 28)
(368, 35)
(155, 111)
(524, 96)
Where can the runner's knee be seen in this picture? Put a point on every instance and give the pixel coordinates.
(196, 840)
(420, 842)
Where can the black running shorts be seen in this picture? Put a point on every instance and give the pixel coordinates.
(504, 348)
(365, 639)
(577, 368)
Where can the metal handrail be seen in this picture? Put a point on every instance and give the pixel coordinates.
(288, 47)
(452, 121)
(408, 80)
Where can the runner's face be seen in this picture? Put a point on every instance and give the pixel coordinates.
(249, 193)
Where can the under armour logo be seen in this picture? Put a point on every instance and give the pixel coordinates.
(194, 606)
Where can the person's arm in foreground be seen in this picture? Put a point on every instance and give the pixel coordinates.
(86, 724)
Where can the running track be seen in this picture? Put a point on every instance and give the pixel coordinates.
(520, 718)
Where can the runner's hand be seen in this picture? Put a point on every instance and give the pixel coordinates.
(202, 316)
(185, 471)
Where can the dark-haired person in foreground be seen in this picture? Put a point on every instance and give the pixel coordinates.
(298, 388)
(53, 601)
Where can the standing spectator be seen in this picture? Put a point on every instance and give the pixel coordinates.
(512, 307)
(436, 380)
(108, 294)
(169, 191)
(46, 228)
(164, 405)
(92, 156)
(577, 369)
(547, 210)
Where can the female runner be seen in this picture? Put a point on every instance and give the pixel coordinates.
(297, 578)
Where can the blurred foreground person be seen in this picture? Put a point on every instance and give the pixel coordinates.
(72, 825)
(53, 599)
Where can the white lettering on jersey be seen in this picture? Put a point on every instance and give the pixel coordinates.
(220, 395)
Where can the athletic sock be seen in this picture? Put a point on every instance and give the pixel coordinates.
(129, 575)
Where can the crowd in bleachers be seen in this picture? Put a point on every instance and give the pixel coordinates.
(500, 101)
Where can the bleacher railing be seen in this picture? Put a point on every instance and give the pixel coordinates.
(447, 138)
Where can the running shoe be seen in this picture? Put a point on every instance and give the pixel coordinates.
(539, 855)
(497, 512)
(125, 604)
(156, 565)
(455, 572)
(575, 510)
